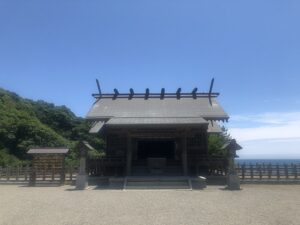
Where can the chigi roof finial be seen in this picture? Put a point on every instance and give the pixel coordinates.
(99, 88)
(210, 90)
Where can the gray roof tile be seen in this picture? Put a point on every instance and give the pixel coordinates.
(48, 151)
(155, 121)
(155, 107)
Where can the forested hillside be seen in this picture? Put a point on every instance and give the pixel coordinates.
(25, 123)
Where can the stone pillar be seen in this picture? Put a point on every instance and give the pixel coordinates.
(82, 177)
(32, 177)
(128, 156)
(233, 179)
(184, 154)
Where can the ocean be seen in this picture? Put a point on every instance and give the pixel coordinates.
(268, 161)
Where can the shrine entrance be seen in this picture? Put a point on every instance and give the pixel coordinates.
(157, 156)
(156, 149)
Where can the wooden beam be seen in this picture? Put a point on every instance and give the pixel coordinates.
(211, 85)
(131, 93)
(116, 93)
(147, 93)
(128, 155)
(194, 93)
(162, 93)
(158, 95)
(210, 90)
(98, 85)
(178, 93)
(184, 154)
(195, 90)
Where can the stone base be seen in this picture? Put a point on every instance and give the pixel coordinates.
(81, 182)
(198, 182)
(233, 182)
(116, 182)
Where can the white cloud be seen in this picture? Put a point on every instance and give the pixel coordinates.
(268, 135)
(267, 118)
(268, 126)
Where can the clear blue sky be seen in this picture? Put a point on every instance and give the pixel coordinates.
(54, 50)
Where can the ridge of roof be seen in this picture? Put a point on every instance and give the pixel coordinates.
(146, 96)
(163, 94)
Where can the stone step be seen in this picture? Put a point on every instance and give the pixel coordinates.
(167, 179)
(157, 183)
(157, 187)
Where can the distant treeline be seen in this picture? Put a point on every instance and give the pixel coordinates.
(25, 123)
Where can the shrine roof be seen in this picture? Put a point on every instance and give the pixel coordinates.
(204, 107)
(48, 151)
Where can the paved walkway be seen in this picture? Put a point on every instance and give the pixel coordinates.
(255, 204)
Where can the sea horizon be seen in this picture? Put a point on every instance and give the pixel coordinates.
(267, 161)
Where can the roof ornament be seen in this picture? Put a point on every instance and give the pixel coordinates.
(210, 90)
(131, 93)
(178, 92)
(147, 93)
(194, 93)
(116, 93)
(99, 89)
(162, 94)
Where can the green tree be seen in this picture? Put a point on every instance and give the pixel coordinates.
(216, 142)
(25, 123)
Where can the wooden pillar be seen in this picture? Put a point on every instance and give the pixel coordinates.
(184, 154)
(205, 140)
(128, 156)
(62, 172)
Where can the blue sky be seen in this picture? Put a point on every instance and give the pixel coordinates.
(54, 50)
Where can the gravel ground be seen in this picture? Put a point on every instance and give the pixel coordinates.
(255, 204)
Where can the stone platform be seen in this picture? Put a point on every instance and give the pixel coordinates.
(157, 182)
